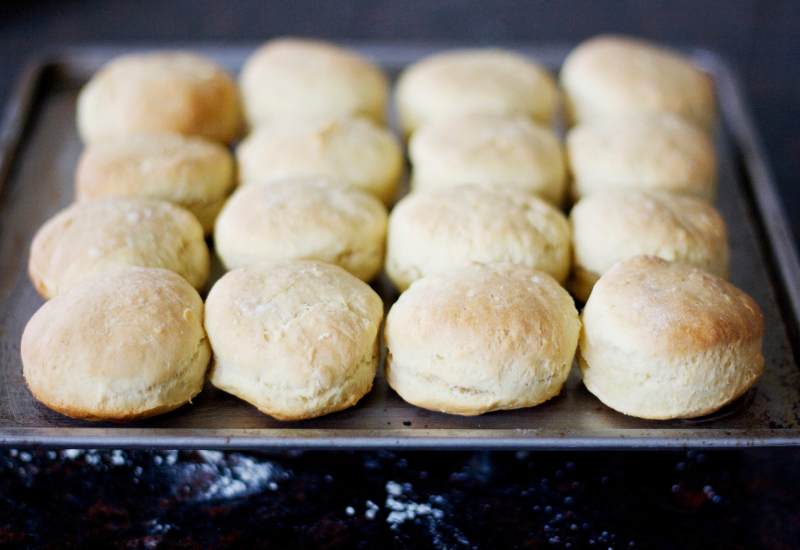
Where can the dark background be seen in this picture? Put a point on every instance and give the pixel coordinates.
(647, 500)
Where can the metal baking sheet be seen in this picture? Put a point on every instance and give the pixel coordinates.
(40, 147)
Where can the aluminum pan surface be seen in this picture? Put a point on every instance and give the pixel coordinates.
(41, 184)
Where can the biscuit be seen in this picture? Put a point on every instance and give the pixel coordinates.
(481, 338)
(355, 151)
(120, 346)
(652, 151)
(290, 78)
(193, 172)
(489, 81)
(434, 231)
(667, 340)
(612, 76)
(616, 225)
(303, 219)
(171, 91)
(488, 150)
(297, 339)
(96, 236)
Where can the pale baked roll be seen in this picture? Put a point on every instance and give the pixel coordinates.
(303, 219)
(193, 172)
(120, 346)
(488, 150)
(490, 81)
(172, 91)
(354, 150)
(292, 78)
(613, 76)
(668, 340)
(613, 226)
(481, 338)
(651, 151)
(297, 339)
(438, 230)
(96, 236)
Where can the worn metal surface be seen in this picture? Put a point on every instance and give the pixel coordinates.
(40, 183)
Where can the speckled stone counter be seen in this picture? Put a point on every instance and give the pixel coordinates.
(211, 499)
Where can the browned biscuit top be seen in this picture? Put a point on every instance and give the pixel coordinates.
(174, 91)
(653, 305)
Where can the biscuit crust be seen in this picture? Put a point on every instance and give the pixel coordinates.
(173, 91)
(96, 236)
(297, 339)
(668, 340)
(648, 152)
(119, 346)
(614, 76)
(303, 219)
(293, 78)
(482, 338)
(616, 225)
(488, 80)
(442, 229)
(356, 151)
(193, 172)
(488, 150)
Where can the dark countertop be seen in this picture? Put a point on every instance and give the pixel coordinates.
(457, 500)
(124, 499)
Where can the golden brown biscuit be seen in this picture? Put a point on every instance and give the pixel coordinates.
(458, 82)
(96, 236)
(443, 229)
(303, 219)
(481, 338)
(292, 78)
(355, 151)
(653, 151)
(297, 339)
(172, 91)
(613, 76)
(120, 346)
(193, 172)
(612, 226)
(667, 340)
(488, 150)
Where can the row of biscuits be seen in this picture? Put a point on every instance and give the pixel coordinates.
(305, 202)
(299, 339)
